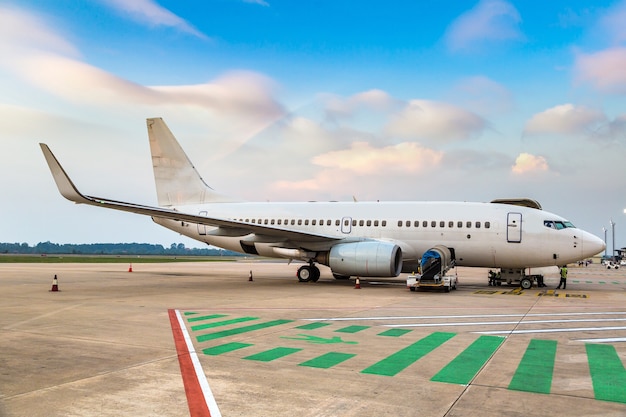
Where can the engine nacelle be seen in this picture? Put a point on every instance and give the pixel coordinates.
(366, 259)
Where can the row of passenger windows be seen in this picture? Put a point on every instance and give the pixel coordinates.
(368, 223)
(451, 224)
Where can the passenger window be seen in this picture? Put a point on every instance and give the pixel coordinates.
(399, 223)
(369, 223)
(265, 221)
(487, 225)
(384, 223)
(293, 221)
(459, 225)
(468, 225)
(272, 222)
(337, 223)
(433, 224)
(299, 222)
(478, 225)
(329, 222)
(424, 223)
(361, 222)
(313, 222)
(306, 222)
(353, 222)
(375, 223)
(450, 224)
(408, 223)
(442, 224)
(416, 223)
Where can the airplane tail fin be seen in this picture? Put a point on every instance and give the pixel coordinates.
(177, 181)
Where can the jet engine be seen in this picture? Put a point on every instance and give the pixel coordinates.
(365, 259)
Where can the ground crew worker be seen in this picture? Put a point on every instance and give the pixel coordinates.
(492, 278)
(563, 277)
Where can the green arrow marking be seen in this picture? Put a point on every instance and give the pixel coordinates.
(319, 340)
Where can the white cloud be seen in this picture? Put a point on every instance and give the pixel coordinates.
(527, 163)
(565, 119)
(372, 99)
(362, 158)
(613, 22)
(21, 31)
(149, 12)
(489, 21)
(425, 119)
(604, 70)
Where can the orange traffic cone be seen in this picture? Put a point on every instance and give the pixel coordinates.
(250, 278)
(55, 284)
(357, 284)
(130, 268)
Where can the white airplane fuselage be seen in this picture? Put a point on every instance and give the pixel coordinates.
(481, 234)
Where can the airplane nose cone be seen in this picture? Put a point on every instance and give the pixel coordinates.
(592, 245)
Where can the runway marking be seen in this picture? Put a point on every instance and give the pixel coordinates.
(200, 399)
(328, 360)
(604, 340)
(352, 329)
(395, 332)
(225, 348)
(272, 354)
(607, 373)
(239, 330)
(312, 326)
(462, 369)
(393, 364)
(202, 318)
(222, 323)
(468, 316)
(497, 323)
(534, 372)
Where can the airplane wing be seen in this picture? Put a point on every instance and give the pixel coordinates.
(69, 191)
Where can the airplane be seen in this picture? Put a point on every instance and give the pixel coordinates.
(354, 239)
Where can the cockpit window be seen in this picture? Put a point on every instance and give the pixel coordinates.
(558, 224)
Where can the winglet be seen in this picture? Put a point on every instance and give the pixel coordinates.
(64, 183)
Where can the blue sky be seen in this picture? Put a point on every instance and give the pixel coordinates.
(319, 100)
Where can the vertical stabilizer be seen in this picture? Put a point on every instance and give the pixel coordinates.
(177, 181)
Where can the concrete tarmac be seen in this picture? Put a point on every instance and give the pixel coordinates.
(103, 345)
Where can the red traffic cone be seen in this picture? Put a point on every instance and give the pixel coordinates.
(55, 284)
(250, 278)
(357, 284)
(130, 268)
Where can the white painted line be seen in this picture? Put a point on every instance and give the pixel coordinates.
(486, 323)
(471, 316)
(574, 329)
(606, 340)
(204, 384)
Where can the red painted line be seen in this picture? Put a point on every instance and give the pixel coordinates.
(195, 397)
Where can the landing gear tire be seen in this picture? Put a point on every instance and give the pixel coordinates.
(308, 273)
(526, 283)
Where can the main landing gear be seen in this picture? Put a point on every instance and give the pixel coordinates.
(308, 273)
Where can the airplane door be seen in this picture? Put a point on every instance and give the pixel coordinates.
(202, 227)
(346, 225)
(514, 228)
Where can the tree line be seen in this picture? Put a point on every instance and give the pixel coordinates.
(175, 249)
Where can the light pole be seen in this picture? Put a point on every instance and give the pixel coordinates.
(613, 235)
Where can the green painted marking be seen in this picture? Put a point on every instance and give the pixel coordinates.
(394, 332)
(328, 360)
(463, 368)
(222, 323)
(272, 354)
(352, 329)
(601, 282)
(313, 326)
(239, 330)
(534, 372)
(225, 348)
(589, 282)
(607, 373)
(201, 318)
(319, 340)
(576, 281)
(616, 282)
(400, 360)
(189, 313)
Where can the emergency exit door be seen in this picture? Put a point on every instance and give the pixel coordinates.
(514, 228)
